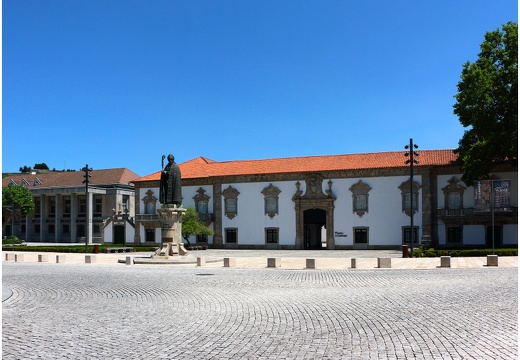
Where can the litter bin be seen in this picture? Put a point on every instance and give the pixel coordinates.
(405, 251)
(96, 248)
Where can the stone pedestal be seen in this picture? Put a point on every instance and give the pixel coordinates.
(171, 231)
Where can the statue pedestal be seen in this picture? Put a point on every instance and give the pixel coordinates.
(171, 231)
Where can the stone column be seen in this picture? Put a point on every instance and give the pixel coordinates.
(217, 209)
(331, 240)
(73, 216)
(57, 222)
(43, 218)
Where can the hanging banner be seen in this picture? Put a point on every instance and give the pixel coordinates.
(501, 191)
(502, 195)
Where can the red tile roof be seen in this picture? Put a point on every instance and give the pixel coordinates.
(73, 178)
(203, 168)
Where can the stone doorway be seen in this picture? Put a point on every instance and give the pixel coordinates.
(314, 214)
(314, 220)
(119, 234)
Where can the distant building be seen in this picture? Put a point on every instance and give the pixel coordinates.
(356, 201)
(60, 213)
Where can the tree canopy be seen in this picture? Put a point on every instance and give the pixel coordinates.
(18, 195)
(487, 105)
(191, 225)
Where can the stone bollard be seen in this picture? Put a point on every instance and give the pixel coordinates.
(60, 259)
(310, 264)
(201, 261)
(89, 259)
(129, 260)
(230, 262)
(492, 260)
(445, 261)
(9, 256)
(43, 258)
(18, 257)
(274, 262)
(353, 263)
(384, 263)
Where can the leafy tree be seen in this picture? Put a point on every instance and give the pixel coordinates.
(17, 196)
(42, 166)
(25, 169)
(192, 226)
(487, 105)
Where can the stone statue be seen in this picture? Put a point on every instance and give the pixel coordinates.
(170, 191)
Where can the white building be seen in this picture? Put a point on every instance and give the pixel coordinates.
(356, 201)
(62, 212)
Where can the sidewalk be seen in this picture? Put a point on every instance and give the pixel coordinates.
(325, 260)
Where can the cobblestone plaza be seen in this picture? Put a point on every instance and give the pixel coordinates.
(113, 311)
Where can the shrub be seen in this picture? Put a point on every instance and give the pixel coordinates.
(11, 240)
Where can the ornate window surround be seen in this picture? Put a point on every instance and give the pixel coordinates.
(201, 197)
(149, 199)
(271, 194)
(405, 189)
(360, 189)
(453, 187)
(230, 201)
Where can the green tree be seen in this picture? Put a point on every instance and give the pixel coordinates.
(42, 166)
(17, 196)
(487, 105)
(191, 225)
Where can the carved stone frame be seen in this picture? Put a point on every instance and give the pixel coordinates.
(359, 188)
(149, 198)
(453, 187)
(230, 194)
(201, 196)
(314, 198)
(405, 189)
(271, 192)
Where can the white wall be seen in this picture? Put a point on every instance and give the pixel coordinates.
(384, 219)
(510, 234)
(251, 219)
(474, 235)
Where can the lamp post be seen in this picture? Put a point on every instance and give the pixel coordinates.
(410, 155)
(87, 176)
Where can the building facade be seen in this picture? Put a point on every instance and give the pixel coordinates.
(64, 213)
(356, 201)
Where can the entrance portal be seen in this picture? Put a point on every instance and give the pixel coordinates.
(313, 222)
(119, 234)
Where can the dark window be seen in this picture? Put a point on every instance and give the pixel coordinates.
(361, 236)
(66, 229)
(271, 235)
(50, 229)
(150, 235)
(231, 236)
(406, 235)
(80, 230)
(202, 238)
(455, 234)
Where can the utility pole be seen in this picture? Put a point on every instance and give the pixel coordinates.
(410, 154)
(87, 177)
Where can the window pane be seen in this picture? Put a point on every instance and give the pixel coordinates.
(271, 205)
(453, 200)
(202, 207)
(360, 202)
(361, 236)
(231, 205)
(231, 235)
(272, 235)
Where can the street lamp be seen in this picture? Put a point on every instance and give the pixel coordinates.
(410, 155)
(87, 177)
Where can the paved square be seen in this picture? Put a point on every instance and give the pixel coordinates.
(83, 311)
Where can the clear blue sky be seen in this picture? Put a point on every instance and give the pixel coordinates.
(120, 83)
